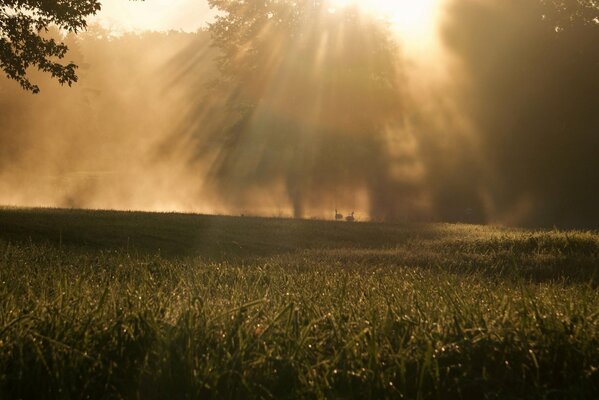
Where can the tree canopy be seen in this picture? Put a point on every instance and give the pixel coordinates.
(348, 56)
(311, 89)
(24, 39)
(530, 88)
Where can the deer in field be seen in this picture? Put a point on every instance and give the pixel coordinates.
(350, 218)
(338, 217)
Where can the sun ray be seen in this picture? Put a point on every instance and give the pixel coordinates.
(412, 19)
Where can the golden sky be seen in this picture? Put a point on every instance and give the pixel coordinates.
(416, 21)
(125, 15)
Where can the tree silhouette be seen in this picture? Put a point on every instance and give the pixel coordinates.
(310, 90)
(569, 14)
(532, 94)
(24, 39)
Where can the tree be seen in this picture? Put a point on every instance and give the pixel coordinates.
(531, 90)
(24, 39)
(569, 14)
(311, 89)
(355, 55)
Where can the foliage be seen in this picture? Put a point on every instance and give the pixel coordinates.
(349, 56)
(528, 82)
(568, 14)
(264, 308)
(299, 79)
(24, 43)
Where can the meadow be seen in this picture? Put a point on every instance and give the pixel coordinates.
(123, 305)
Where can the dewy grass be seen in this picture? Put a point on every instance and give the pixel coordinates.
(349, 311)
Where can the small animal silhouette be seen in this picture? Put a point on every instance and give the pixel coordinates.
(350, 218)
(338, 217)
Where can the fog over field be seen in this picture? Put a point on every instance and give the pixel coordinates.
(496, 122)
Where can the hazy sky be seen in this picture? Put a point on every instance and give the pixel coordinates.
(125, 15)
(415, 21)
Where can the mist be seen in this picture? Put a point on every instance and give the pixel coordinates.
(499, 125)
(103, 142)
(526, 81)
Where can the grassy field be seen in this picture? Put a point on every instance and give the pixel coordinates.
(170, 306)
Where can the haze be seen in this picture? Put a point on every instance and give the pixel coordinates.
(480, 111)
(156, 15)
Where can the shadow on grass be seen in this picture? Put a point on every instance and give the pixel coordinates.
(181, 235)
(537, 256)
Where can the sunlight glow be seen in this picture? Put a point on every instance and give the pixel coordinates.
(412, 19)
(154, 15)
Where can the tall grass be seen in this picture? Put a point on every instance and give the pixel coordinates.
(438, 312)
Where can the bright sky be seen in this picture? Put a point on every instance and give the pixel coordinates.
(126, 15)
(415, 21)
(412, 18)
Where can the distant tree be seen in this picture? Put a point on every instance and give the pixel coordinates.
(355, 55)
(532, 93)
(310, 88)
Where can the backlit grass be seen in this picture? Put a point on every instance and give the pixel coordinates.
(258, 308)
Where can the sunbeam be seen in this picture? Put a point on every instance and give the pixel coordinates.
(412, 19)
